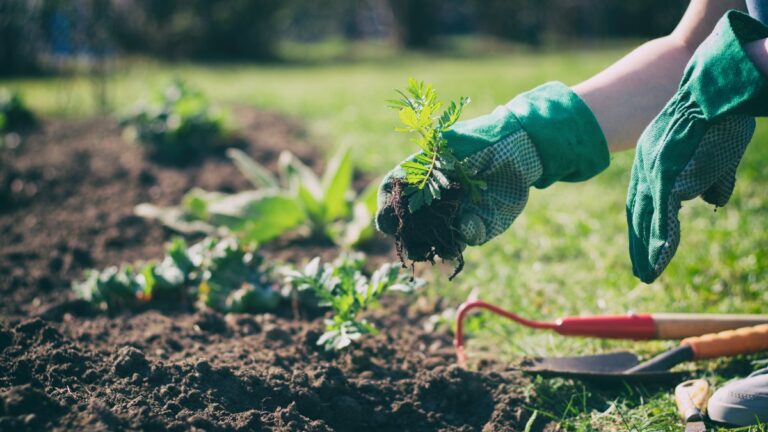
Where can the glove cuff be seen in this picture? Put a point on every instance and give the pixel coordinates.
(721, 76)
(565, 132)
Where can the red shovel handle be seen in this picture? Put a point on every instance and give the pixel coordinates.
(630, 326)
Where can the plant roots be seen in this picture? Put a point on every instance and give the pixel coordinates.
(428, 232)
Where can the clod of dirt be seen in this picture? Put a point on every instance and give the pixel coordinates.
(428, 232)
(129, 360)
(25, 399)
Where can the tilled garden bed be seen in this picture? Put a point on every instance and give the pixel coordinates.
(67, 205)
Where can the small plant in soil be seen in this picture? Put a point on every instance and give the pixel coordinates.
(427, 198)
(178, 125)
(15, 116)
(324, 209)
(344, 288)
(226, 275)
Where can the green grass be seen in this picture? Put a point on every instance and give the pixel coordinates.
(567, 254)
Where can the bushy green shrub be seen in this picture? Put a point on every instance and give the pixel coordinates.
(178, 125)
(229, 276)
(226, 275)
(344, 288)
(15, 116)
(325, 207)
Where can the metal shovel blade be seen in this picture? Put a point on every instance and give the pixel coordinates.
(611, 366)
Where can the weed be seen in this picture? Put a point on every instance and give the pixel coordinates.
(178, 125)
(343, 287)
(325, 206)
(426, 200)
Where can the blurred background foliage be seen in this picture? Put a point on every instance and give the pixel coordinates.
(50, 35)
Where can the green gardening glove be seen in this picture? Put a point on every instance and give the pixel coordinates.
(693, 147)
(545, 135)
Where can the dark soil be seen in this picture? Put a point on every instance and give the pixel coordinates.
(70, 191)
(428, 232)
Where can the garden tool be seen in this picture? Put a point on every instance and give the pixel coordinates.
(691, 398)
(630, 326)
(625, 366)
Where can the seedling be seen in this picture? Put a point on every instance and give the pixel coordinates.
(235, 279)
(14, 114)
(326, 207)
(427, 198)
(332, 209)
(226, 275)
(343, 287)
(178, 125)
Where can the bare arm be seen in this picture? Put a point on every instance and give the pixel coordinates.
(626, 96)
(758, 53)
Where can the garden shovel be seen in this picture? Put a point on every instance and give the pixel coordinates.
(639, 326)
(626, 366)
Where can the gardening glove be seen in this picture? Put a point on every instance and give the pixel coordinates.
(542, 136)
(693, 147)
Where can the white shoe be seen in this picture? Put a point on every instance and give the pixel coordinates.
(742, 402)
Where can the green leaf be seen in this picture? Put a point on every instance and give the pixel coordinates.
(531, 421)
(425, 117)
(409, 118)
(296, 173)
(337, 182)
(369, 196)
(259, 176)
(414, 166)
(312, 206)
(195, 205)
(434, 188)
(435, 167)
(441, 179)
(419, 198)
(258, 215)
(174, 218)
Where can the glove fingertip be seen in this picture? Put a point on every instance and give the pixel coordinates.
(472, 229)
(386, 220)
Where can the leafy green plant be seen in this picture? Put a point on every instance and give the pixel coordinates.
(177, 125)
(226, 275)
(325, 207)
(14, 114)
(235, 279)
(435, 168)
(331, 207)
(344, 288)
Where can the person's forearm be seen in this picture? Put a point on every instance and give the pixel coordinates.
(626, 96)
(758, 53)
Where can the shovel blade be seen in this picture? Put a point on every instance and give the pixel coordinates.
(606, 368)
(616, 362)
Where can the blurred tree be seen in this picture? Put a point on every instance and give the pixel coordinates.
(518, 20)
(199, 29)
(20, 36)
(613, 18)
(416, 21)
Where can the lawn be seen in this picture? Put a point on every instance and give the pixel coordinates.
(567, 254)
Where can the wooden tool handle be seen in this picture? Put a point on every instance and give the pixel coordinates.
(691, 398)
(729, 343)
(682, 325)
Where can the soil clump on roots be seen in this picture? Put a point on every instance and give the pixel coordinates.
(429, 232)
